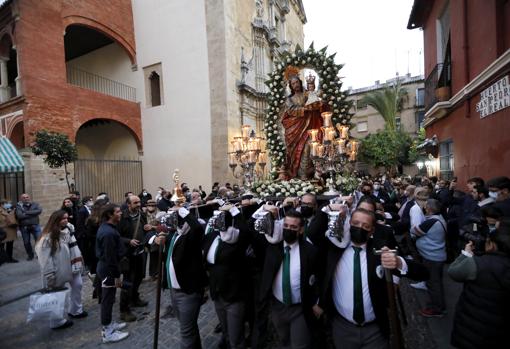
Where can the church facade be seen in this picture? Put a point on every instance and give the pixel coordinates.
(212, 58)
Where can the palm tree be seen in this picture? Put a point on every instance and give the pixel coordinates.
(388, 102)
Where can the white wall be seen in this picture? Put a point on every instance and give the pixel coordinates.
(110, 62)
(178, 133)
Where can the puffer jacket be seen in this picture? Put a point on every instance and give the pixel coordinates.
(483, 311)
(58, 265)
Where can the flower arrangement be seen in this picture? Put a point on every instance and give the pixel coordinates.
(293, 187)
(345, 182)
(330, 85)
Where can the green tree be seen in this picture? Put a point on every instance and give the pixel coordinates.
(386, 148)
(388, 102)
(57, 148)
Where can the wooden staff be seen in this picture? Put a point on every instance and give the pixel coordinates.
(158, 295)
(396, 339)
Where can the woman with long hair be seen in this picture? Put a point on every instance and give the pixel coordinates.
(60, 260)
(68, 206)
(91, 226)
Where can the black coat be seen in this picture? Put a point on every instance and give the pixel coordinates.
(309, 280)
(376, 285)
(228, 275)
(482, 314)
(81, 219)
(126, 230)
(187, 258)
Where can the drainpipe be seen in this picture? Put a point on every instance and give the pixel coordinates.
(465, 48)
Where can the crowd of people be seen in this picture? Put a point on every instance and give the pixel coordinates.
(309, 284)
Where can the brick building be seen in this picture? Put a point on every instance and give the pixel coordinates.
(49, 80)
(467, 89)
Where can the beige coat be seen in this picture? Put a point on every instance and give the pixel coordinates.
(8, 223)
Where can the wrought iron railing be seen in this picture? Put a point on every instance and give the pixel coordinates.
(440, 76)
(100, 84)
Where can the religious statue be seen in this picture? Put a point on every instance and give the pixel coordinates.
(301, 113)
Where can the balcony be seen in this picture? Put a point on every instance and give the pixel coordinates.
(437, 85)
(100, 84)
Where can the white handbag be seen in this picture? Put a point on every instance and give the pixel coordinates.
(51, 305)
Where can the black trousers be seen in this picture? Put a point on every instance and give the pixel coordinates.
(153, 263)
(9, 246)
(435, 287)
(134, 276)
(107, 300)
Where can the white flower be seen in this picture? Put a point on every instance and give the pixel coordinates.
(277, 77)
(330, 103)
(280, 153)
(303, 62)
(292, 190)
(300, 193)
(336, 111)
(269, 134)
(288, 60)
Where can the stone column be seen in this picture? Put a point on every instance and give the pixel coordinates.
(17, 80)
(4, 87)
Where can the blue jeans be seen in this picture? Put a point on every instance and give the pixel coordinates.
(26, 231)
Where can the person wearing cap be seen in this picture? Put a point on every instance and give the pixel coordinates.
(499, 190)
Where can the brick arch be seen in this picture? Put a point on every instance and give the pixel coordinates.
(12, 123)
(129, 128)
(103, 29)
(6, 43)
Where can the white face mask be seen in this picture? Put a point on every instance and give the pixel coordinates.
(89, 204)
(377, 187)
(494, 194)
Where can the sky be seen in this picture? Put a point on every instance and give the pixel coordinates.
(370, 37)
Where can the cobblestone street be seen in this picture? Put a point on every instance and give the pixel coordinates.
(19, 280)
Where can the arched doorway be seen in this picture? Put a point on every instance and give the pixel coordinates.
(108, 160)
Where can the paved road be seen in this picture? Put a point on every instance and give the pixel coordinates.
(21, 279)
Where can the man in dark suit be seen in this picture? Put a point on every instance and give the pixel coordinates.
(185, 274)
(289, 280)
(225, 260)
(354, 289)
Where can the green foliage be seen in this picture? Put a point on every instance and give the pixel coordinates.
(414, 153)
(386, 148)
(388, 102)
(57, 148)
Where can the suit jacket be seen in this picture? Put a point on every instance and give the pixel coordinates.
(376, 285)
(228, 275)
(187, 258)
(309, 280)
(126, 230)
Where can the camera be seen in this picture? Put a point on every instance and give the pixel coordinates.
(170, 220)
(476, 232)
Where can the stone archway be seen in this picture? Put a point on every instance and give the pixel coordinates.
(108, 159)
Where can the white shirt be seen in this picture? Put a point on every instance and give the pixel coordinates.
(295, 275)
(416, 215)
(173, 277)
(343, 285)
(212, 250)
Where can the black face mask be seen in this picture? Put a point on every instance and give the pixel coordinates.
(359, 235)
(289, 235)
(379, 217)
(306, 211)
(366, 193)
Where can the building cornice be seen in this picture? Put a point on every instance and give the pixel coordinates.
(441, 109)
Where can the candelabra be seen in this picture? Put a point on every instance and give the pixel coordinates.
(331, 154)
(247, 154)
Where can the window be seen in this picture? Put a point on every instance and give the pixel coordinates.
(419, 117)
(446, 160)
(155, 91)
(360, 104)
(420, 97)
(153, 76)
(362, 126)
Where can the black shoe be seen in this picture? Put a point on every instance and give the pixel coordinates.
(218, 328)
(66, 324)
(139, 303)
(29, 258)
(79, 316)
(12, 260)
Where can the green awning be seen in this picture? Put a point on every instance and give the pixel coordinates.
(10, 160)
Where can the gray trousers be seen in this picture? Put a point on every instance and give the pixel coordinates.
(290, 325)
(346, 335)
(231, 317)
(187, 308)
